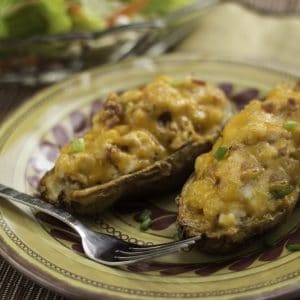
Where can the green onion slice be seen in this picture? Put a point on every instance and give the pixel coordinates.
(129, 105)
(175, 84)
(290, 125)
(78, 145)
(145, 224)
(220, 153)
(145, 214)
(284, 192)
(293, 247)
(177, 236)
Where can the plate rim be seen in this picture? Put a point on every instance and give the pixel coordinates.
(47, 280)
(62, 287)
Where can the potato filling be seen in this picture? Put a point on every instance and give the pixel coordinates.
(142, 126)
(253, 169)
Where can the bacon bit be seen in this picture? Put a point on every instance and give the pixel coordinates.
(292, 104)
(128, 10)
(112, 112)
(248, 170)
(111, 152)
(111, 122)
(277, 177)
(292, 101)
(113, 107)
(267, 107)
(218, 180)
(245, 165)
(199, 82)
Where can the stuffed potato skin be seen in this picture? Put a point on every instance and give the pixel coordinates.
(250, 180)
(161, 177)
(142, 140)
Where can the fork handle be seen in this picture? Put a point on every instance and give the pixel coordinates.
(36, 203)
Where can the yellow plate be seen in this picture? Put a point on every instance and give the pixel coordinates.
(51, 254)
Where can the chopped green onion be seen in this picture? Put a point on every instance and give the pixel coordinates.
(129, 105)
(145, 214)
(78, 145)
(145, 224)
(284, 192)
(177, 236)
(293, 247)
(290, 125)
(175, 84)
(220, 153)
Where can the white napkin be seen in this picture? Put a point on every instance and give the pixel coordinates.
(234, 31)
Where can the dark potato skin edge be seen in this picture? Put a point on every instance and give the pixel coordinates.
(227, 243)
(163, 176)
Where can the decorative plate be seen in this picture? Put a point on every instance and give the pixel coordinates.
(51, 253)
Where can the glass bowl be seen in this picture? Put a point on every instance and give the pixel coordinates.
(46, 59)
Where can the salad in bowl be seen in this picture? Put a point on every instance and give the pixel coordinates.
(48, 39)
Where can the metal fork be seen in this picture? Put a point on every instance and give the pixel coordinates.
(100, 247)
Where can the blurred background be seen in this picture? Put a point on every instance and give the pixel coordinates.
(231, 29)
(43, 41)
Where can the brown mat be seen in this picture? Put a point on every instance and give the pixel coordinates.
(13, 284)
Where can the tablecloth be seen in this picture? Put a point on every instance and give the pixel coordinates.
(230, 30)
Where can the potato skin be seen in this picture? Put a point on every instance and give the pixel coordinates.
(236, 195)
(223, 244)
(137, 130)
(163, 176)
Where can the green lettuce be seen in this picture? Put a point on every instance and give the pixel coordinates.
(56, 14)
(3, 30)
(27, 18)
(85, 20)
(163, 7)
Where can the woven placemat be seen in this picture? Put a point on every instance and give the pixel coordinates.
(13, 284)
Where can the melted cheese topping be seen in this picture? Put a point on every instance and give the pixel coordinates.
(260, 172)
(142, 126)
